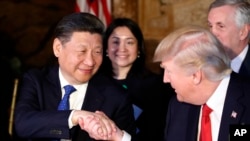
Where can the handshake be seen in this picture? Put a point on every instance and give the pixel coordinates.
(98, 125)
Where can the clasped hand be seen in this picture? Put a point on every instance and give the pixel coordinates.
(97, 124)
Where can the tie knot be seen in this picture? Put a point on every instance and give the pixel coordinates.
(206, 110)
(69, 89)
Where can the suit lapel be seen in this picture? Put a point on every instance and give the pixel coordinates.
(93, 98)
(193, 123)
(245, 67)
(51, 87)
(232, 110)
(93, 101)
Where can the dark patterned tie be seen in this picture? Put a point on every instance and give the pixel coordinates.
(64, 104)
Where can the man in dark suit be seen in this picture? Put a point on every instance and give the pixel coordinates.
(229, 21)
(198, 68)
(97, 109)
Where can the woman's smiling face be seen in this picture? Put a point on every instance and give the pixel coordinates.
(122, 47)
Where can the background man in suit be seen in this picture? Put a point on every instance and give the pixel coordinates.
(78, 47)
(229, 21)
(197, 67)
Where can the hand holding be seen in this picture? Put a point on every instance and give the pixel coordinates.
(97, 124)
(116, 134)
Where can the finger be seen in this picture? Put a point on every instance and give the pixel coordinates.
(97, 125)
(111, 123)
(108, 124)
(80, 122)
(99, 131)
(85, 124)
(96, 130)
(102, 129)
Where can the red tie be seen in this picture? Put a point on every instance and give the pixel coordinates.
(205, 134)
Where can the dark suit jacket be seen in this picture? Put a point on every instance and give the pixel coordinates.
(36, 115)
(245, 67)
(182, 118)
(148, 92)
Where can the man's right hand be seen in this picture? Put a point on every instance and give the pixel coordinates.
(97, 124)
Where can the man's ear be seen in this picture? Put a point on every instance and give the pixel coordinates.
(244, 32)
(57, 46)
(197, 77)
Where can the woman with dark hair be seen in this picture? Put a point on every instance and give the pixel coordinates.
(124, 63)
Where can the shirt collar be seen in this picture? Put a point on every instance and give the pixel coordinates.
(216, 101)
(237, 61)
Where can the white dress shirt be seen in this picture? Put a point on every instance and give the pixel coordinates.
(216, 103)
(237, 61)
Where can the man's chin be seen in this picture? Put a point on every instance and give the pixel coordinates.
(179, 98)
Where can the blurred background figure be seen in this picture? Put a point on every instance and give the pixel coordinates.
(229, 21)
(124, 63)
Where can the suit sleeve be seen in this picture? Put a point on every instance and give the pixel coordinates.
(35, 112)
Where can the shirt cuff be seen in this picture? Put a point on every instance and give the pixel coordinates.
(69, 119)
(126, 136)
